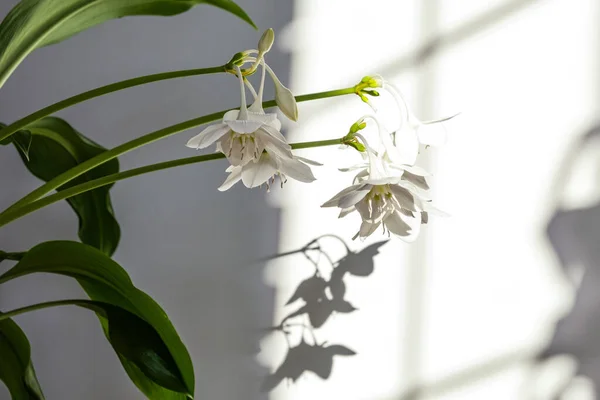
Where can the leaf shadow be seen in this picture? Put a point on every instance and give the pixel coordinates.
(573, 235)
(315, 358)
(317, 299)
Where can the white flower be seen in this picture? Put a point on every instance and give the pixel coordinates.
(412, 131)
(245, 133)
(383, 196)
(398, 158)
(251, 141)
(266, 169)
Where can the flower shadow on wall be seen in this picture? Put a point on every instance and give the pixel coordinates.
(322, 296)
(573, 235)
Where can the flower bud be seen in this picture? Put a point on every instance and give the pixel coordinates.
(353, 142)
(286, 101)
(284, 98)
(266, 41)
(358, 125)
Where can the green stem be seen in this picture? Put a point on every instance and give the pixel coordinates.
(316, 143)
(81, 303)
(11, 256)
(16, 213)
(143, 140)
(90, 94)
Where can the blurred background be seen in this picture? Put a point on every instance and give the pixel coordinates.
(498, 301)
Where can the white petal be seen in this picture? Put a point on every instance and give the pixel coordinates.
(396, 224)
(376, 165)
(232, 179)
(353, 197)
(354, 167)
(361, 175)
(309, 161)
(416, 180)
(274, 133)
(437, 121)
(364, 210)
(244, 125)
(274, 146)
(333, 202)
(295, 169)
(275, 124)
(415, 190)
(256, 173)
(346, 211)
(241, 149)
(383, 180)
(404, 197)
(265, 119)
(392, 151)
(208, 136)
(415, 226)
(413, 169)
(231, 115)
(367, 228)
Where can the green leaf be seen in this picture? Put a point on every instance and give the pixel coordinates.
(16, 369)
(32, 24)
(54, 148)
(106, 281)
(136, 341)
(22, 141)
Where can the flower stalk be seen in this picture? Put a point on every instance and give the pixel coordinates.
(100, 91)
(16, 213)
(146, 139)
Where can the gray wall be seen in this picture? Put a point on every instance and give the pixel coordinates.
(186, 244)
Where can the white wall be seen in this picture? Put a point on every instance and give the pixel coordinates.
(479, 286)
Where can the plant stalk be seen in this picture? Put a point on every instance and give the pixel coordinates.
(16, 213)
(143, 140)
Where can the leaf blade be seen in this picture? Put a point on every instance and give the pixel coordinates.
(16, 369)
(32, 24)
(106, 281)
(54, 147)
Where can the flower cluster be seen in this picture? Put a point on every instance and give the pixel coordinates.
(250, 138)
(389, 190)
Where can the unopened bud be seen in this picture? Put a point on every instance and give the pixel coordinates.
(357, 126)
(284, 98)
(376, 81)
(354, 143)
(237, 57)
(266, 41)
